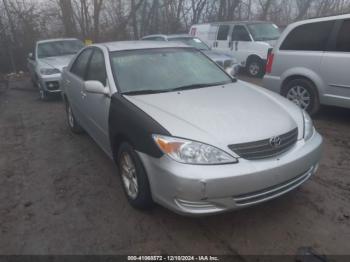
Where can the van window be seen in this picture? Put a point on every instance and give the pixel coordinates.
(239, 33)
(223, 32)
(343, 39)
(308, 37)
(264, 31)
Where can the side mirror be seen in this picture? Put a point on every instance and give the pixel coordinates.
(31, 56)
(96, 87)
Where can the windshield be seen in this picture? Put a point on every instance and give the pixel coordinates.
(59, 48)
(164, 70)
(191, 41)
(264, 32)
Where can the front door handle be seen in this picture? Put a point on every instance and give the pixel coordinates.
(83, 94)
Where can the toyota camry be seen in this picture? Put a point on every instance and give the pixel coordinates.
(183, 132)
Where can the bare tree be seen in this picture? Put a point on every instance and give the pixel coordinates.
(67, 17)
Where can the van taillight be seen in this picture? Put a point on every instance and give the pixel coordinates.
(269, 63)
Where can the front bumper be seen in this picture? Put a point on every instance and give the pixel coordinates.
(200, 189)
(50, 83)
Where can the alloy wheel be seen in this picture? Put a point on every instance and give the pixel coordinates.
(70, 116)
(300, 96)
(128, 173)
(254, 69)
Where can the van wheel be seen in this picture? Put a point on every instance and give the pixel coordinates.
(303, 93)
(134, 178)
(255, 67)
(72, 122)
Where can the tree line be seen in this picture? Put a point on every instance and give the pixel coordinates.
(22, 22)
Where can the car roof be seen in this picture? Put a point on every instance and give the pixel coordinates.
(55, 40)
(137, 45)
(168, 36)
(237, 22)
(321, 19)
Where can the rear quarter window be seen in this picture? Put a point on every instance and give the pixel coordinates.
(308, 37)
(343, 38)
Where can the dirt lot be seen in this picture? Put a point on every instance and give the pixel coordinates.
(60, 194)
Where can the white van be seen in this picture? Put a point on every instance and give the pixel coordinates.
(249, 41)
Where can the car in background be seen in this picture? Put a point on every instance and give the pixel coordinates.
(46, 63)
(310, 63)
(226, 61)
(183, 132)
(248, 41)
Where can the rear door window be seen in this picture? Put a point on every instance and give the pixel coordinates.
(309, 37)
(343, 38)
(223, 32)
(80, 64)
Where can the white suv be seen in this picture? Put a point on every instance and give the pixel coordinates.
(248, 42)
(310, 63)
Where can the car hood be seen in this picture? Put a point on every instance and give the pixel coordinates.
(58, 62)
(218, 57)
(222, 115)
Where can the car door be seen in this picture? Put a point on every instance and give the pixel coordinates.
(74, 84)
(240, 44)
(96, 106)
(335, 66)
(222, 38)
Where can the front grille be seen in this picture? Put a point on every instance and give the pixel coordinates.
(274, 191)
(263, 148)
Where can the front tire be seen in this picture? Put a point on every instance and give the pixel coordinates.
(255, 67)
(303, 93)
(134, 178)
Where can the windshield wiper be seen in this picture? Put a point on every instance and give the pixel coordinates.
(180, 88)
(196, 86)
(143, 92)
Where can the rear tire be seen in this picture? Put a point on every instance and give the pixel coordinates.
(255, 67)
(73, 124)
(134, 178)
(303, 93)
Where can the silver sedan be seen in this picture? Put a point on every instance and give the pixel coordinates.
(183, 132)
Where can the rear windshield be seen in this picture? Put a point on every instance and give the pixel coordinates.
(264, 32)
(164, 69)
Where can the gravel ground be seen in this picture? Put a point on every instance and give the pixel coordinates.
(60, 194)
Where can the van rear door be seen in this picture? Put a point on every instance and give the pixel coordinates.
(222, 38)
(335, 66)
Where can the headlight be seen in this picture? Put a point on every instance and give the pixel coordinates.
(49, 71)
(191, 152)
(308, 126)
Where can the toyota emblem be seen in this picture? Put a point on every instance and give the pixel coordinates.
(275, 141)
